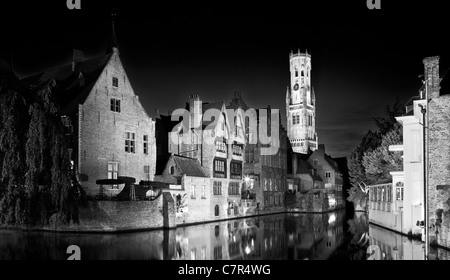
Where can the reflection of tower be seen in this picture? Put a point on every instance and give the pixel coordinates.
(301, 105)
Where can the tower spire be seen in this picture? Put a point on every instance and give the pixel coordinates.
(114, 46)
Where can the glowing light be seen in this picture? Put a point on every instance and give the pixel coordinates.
(247, 250)
(332, 218)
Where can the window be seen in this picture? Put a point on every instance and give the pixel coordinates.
(203, 192)
(389, 193)
(130, 142)
(113, 172)
(193, 254)
(115, 82)
(270, 184)
(219, 168)
(221, 146)
(115, 105)
(192, 191)
(172, 170)
(265, 184)
(236, 170)
(316, 162)
(328, 175)
(146, 144)
(399, 191)
(218, 253)
(296, 73)
(237, 150)
(147, 172)
(295, 119)
(233, 188)
(217, 188)
(216, 212)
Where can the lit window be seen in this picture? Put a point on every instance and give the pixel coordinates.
(130, 142)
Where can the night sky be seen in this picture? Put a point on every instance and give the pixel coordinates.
(361, 59)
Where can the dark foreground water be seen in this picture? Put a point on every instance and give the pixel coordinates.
(282, 236)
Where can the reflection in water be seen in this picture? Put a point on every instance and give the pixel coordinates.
(281, 236)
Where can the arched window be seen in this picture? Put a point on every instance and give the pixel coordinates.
(172, 170)
(216, 210)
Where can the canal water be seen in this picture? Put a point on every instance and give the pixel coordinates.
(334, 236)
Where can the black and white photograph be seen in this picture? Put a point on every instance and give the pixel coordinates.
(239, 132)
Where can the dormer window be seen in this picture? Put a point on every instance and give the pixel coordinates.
(115, 82)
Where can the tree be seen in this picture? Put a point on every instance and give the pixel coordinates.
(379, 162)
(49, 185)
(362, 174)
(36, 182)
(13, 122)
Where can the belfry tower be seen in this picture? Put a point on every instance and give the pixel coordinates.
(301, 105)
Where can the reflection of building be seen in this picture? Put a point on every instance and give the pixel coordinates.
(314, 236)
(108, 130)
(388, 245)
(301, 105)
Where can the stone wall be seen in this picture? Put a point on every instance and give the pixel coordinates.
(113, 216)
(439, 169)
(310, 202)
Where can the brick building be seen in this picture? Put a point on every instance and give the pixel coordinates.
(438, 155)
(109, 131)
(264, 174)
(315, 182)
(328, 170)
(217, 141)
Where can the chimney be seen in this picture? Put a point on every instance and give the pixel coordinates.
(431, 67)
(321, 148)
(76, 58)
(195, 111)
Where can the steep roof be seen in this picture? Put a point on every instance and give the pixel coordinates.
(331, 162)
(71, 87)
(189, 166)
(305, 167)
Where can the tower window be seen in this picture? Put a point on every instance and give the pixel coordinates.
(115, 82)
(296, 73)
(303, 73)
